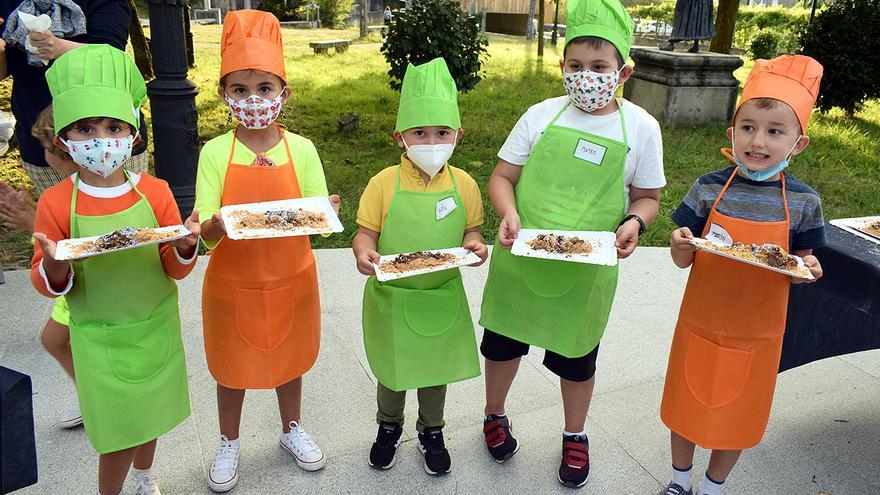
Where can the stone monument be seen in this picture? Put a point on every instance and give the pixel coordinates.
(684, 88)
(693, 21)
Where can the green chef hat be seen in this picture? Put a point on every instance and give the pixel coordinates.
(428, 97)
(95, 81)
(606, 19)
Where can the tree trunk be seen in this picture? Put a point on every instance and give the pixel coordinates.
(725, 23)
(142, 57)
(363, 19)
(530, 28)
(541, 29)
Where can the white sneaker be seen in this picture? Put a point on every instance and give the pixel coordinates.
(145, 484)
(301, 446)
(224, 471)
(71, 418)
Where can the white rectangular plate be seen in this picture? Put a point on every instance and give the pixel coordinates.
(465, 258)
(709, 247)
(604, 252)
(67, 247)
(316, 204)
(852, 225)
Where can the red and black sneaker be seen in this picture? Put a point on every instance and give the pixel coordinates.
(575, 466)
(499, 440)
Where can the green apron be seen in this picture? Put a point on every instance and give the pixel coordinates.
(125, 336)
(418, 331)
(572, 180)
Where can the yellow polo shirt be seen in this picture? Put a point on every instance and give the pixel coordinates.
(376, 199)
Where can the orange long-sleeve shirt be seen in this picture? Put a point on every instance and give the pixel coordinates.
(53, 219)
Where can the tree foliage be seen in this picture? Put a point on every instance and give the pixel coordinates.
(431, 29)
(843, 38)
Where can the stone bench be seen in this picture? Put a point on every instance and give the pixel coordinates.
(324, 46)
(300, 24)
(381, 28)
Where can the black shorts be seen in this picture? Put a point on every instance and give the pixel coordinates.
(497, 347)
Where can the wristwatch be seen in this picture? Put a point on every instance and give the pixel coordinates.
(642, 226)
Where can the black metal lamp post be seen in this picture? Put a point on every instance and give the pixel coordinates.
(173, 103)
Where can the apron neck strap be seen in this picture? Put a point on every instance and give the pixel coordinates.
(622, 123)
(619, 110)
(730, 181)
(448, 170)
(283, 138)
(76, 190)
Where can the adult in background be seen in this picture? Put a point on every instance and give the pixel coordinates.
(74, 23)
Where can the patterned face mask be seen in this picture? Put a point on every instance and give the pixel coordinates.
(255, 112)
(101, 155)
(590, 91)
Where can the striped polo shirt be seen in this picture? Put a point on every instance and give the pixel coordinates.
(755, 201)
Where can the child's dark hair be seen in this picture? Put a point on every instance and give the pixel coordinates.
(595, 43)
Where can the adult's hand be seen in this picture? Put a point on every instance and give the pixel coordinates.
(49, 46)
(2, 41)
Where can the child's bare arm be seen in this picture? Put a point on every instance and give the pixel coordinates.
(501, 184)
(642, 202)
(364, 247)
(680, 248)
(473, 241)
(812, 263)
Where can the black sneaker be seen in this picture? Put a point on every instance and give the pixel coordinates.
(675, 489)
(385, 447)
(499, 440)
(575, 466)
(436, 456)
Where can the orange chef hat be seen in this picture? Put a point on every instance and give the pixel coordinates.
(251, 39)
(792, 79)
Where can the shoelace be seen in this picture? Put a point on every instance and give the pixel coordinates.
(675, 489)
(576, 455)
(306, 445)
(145, 483)
(495, 433)
(227, 456)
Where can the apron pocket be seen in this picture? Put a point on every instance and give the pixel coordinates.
(550, 278)
(431, 312)
(264, 317)
(138, 351)
(715, 375)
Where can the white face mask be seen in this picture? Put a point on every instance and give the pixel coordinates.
(100, 155)
(430, 157)
(255, 112)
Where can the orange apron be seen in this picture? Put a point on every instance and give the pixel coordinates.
(728, 340)
(262, 317)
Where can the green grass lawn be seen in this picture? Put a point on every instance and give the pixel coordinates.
(841, 163)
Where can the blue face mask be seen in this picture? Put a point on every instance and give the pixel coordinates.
(767, 173)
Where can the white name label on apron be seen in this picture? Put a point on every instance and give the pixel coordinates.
(590, 152)
(717, 235)
(445, 207)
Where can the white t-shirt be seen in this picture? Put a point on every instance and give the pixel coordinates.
(644, 163)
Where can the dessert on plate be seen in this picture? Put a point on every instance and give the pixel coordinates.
(560, 244)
